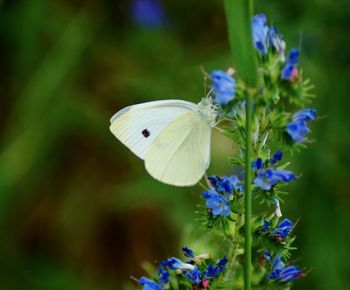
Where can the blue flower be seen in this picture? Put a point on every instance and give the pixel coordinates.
(148, 13)
(187, 270)
(279, 272)
(214, 271)
(276, 41)
(266, 179)
(305, 115)
(218, 204)
(149, 284)
(277, 262)
(163, 274)
(283, 229)
(289, 274)
(188, 252)
(265, 227)
(222, 263)
(267, 255)
(260, 32)
(176, 264)
(276, 157)
(226, 184)
(211, 272)
(283, 175)
(289, 70)
(257, 164)
(297, 130)
(194, 275)
(277, 266)
(214, 180)
(224, 87)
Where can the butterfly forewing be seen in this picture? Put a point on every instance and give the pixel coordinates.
(180, 154)
(139, 125)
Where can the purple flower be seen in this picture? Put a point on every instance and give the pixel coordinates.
(147, 13)
(289, 71)
(149, 284)
(260, 32)
(218, 204)
(224, 87)
(283, 229)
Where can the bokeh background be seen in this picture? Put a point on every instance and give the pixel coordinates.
(77, 209)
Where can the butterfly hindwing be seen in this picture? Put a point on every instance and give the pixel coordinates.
(180, 154)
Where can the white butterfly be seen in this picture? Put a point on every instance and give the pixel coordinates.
(171, 136)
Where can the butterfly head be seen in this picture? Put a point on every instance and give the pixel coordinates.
(208, 111)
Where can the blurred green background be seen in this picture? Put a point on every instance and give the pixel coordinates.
(77, 209)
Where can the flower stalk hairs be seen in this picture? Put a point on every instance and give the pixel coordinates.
(280, 126)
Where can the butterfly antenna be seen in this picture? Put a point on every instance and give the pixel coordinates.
(206, 77)
(217, 128)
(202, 185)
(208, 182)
(208, 94)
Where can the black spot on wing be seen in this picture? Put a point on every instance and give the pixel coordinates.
(146, 133)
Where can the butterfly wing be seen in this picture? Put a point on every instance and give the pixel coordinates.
(138, 126)
(180, 154)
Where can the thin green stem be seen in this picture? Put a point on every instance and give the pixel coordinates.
(238, 15)
(248, 193)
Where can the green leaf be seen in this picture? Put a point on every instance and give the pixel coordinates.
(238, 16)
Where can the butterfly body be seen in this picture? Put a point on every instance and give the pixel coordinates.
(171, 136)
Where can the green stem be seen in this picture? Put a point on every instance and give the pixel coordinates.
(238, 16)
(248, 193)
